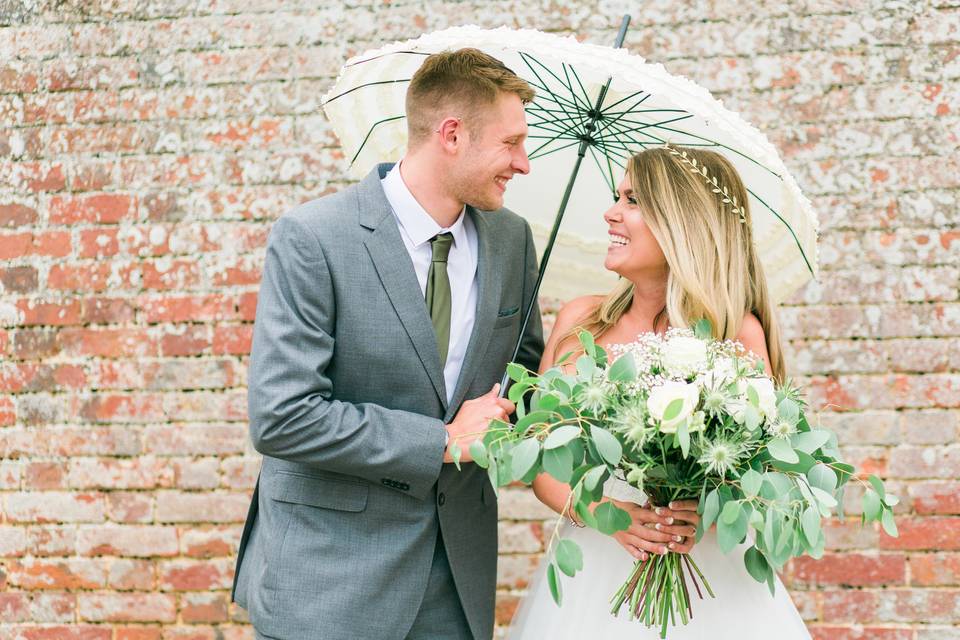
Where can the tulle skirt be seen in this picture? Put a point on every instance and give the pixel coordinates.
(743, 608)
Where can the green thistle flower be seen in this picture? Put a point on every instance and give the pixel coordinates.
(593, 398)
(720, 457)
(631, 421)
(781, 428)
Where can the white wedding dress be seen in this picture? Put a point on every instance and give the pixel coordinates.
(742, 610)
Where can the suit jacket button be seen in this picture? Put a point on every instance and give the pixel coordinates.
(441, 499)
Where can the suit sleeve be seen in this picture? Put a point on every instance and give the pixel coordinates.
(293, 415)
(531, 343)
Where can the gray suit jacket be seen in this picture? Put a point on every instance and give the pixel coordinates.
(347, 405)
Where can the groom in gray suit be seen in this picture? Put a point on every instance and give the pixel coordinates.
(387, 314)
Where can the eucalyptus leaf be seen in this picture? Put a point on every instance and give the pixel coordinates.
(456, 452)
(532, 418)
(673, 410)
(569, 557)
(780, 449)
(624, 369)
(751, 418)
(872, 507)
(525, 456)
(607, 444)
(753, 397)
(810, 521)
(516, 371)
(593, 477)
(877, 485)
(558, 463)
(703, 329)
(824, 498)
(889, 524)
(683, 435)
(586, 366)
(823, 477)
(611, 519)
(561, 435)
(750, 482)
(711, 507)
(757, 565)
(479, 454)
(730, 535)
(810, 441)
(553, 580)
(730, 513)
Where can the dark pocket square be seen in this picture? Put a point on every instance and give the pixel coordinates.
(507, 312)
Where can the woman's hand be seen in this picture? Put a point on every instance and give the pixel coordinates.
(658, 530)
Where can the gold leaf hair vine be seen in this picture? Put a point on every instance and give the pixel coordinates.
(701, 170)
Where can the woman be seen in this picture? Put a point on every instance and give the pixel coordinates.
(683, 253)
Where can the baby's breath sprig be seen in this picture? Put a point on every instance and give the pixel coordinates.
(700, 169)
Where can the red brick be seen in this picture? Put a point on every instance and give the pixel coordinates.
(53, 540)
(103, 208)
(41, 377)
(188, 308)
(248, 306)
(209, 541)
(53, 607)
(34, 344)
(178, 506)
(164, 273)
(72, 573)
(939, 569)
(939, 534)
(203, 608)
(130, 506)
(98, 243)
(69, 632)
(126, 607)
(108, 343)
(18, 279)
(858, 632)
(14, 607)
(98, 310)
(851, 569)
(129, 575)
(144, 472)
(91, 276)
(196, 575)
(45, 475)
(185, 340)
(849, 605)
(22, 244)
(35, 312)
(54, 506)
(132, 408)
(232, 339)
(13, 541)
(936, 498)
(127, 541)
(138, 633)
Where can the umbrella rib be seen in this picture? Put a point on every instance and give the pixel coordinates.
(364, 86)
(369, 133)
(545, 123)
(384, 55)
(569, 85)
(535, 155)
(789, 228)
(625, 98)
(556, 97)
(557, 78)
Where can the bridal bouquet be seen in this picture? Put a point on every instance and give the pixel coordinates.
(680, 416)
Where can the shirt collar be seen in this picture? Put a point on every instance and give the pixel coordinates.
(418, 224)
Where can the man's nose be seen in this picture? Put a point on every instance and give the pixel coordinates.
(521, 163)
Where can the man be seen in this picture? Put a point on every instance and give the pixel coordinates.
(382, 309)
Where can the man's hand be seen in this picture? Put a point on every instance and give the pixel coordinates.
(473, 420)
(659, 529)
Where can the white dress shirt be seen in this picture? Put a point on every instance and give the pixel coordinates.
(417, 228)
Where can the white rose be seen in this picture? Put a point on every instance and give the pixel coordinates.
(721, 374)
(661, 397)
(767, 394)
(736, 407)
(683, 355)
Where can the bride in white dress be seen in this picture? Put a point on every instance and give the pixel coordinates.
(682, 254)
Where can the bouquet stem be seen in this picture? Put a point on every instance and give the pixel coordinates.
(656, 590)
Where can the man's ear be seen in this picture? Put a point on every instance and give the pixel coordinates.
(451, 132)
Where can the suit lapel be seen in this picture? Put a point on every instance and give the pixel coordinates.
(488, 303)
(396, 272)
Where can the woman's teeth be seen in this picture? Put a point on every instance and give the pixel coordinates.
(618, 241)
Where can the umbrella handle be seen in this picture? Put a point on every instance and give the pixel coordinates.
(505, 380)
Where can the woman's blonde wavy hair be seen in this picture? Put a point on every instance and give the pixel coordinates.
(714, 271)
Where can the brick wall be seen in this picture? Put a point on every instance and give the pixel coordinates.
(146, 147)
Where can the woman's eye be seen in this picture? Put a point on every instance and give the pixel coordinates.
(632, 200)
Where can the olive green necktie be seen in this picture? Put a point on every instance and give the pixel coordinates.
(438, 292)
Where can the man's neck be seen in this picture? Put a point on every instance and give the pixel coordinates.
(419, 175)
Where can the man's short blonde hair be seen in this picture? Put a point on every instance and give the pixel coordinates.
(461, 83)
